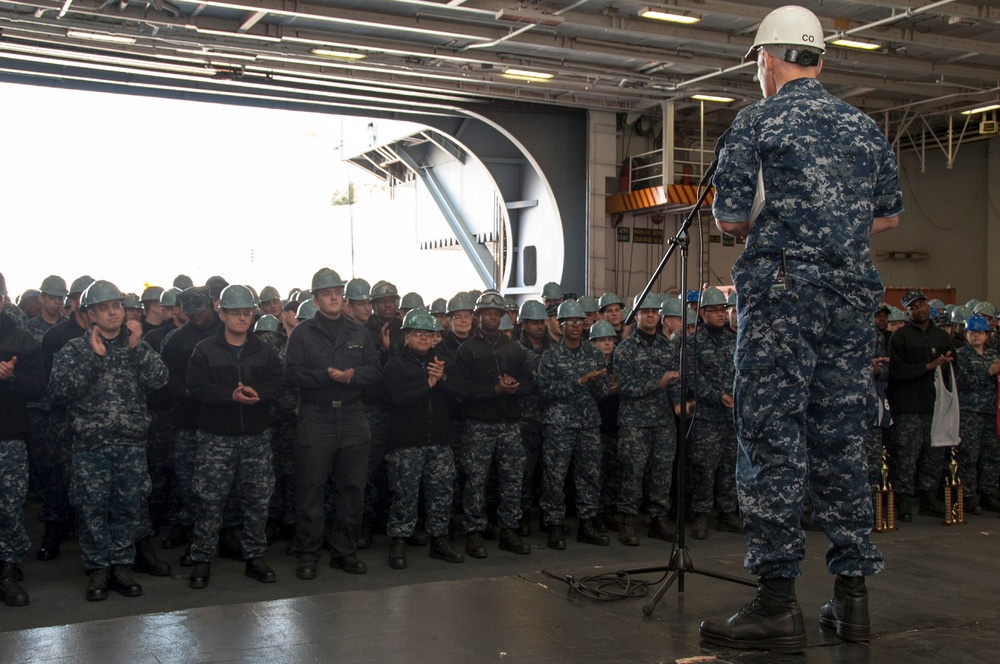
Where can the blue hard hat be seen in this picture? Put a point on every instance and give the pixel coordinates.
(976, 323)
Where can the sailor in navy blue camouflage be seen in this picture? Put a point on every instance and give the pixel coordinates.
(977, 367)
(572, 376)
(645, 366)
(105, 377)
(806, 178)
(535, 341)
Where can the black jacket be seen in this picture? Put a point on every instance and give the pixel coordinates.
(418, 413)
(176, 353)
(479, 364)
(214, 372)
(26, 384)
(54, 340)
(311, 351)
(911, 385)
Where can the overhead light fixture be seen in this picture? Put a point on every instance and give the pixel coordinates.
(340, 55)
(526, 75)
(715, 98)
(981, 109)
(850, 43)
(670, 15)
(529, 16)
(100, 37)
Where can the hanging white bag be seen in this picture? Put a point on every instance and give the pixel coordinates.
(944, 425)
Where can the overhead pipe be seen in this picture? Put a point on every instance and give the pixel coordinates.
(521, 31)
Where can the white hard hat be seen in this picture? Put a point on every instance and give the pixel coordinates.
(789, 25)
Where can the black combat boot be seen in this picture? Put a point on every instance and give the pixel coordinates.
(771, 621)
(930, 505)
(847, 612)
(509, 541)
(557, 540)
(397, 553)
(365, 536)
(474, 545)
(55, 534)
(122, 581)
(972, 505)
(199, 576)
(146, 560)
(524, 525)
(699, 529)
(442, 549)
(729, 522)
(588, 534)
(904, 507)
(626, 531)
(98, 587)
(10, 590)
(258, 570)
(176, 536)
(229, 544)
(663, 528)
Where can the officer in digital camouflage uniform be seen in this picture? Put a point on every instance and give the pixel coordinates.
(51, 449)
(672, 313)
(22, 379)
(53, 295)
(645, 366)
(439, 309)
(12, 310)
(419, 458)
(331, 359)
(28, 302)
(535, 341)
(270, 301)
(572, 376)
(358, 296)
(409, 302)
(493, 370)
(807, 287)
(713, 438)
(105, 376)
(154, 314)
(610, 307)
(978, 455)
(235, 378)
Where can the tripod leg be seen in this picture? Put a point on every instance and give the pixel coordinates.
(660, 592)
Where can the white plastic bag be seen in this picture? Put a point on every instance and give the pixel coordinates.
(944, 426)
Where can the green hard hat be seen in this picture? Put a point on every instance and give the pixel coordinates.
(383, 289)
(439, 306)
(303, 296)
(237, 297)
(552, 291)
(532, 310)
(985, 309)
(509, 304)
(712, 296)
(960, 314)
(570, 309)
(306, 310)
(897, 315)
(490, 300)
(972, 304)
(326, 278)
(151, 293)
(691, 317)
(461, 302)
(474, 294)
(672, 307)
(268, 293)
(358, 290)
(54, 285)
(100, 291)
(601, 329)
(589, 304)
(608, 299)
(183, 282)
(419, 318)
(80, 284)
(169, 297)
(267, 323)
(731, 299)
(411, 301)
(505, 324)
(936, 303)
(652, 301)
(131, 301)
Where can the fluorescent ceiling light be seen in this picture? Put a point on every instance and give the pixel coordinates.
(981, 109)
(529, 16)
(850, 43)
(527, 75)
(100, 37)
(668, 15)
(721, 100)
(342, 55)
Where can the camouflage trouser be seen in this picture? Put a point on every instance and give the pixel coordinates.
(376, 487)
(107, 487)
(222, 462)
(185, 452)
(14, 540)
(637, 448)
(713, 466)
(803, 371)
(531, 439)
(873, 443)
(160, 454)
(457, 442)
(977, 455)
(918, 466)
(482, 441)
(410, 469)
(583, 448)
(282, 505)
(611, 471)
(50, 450)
